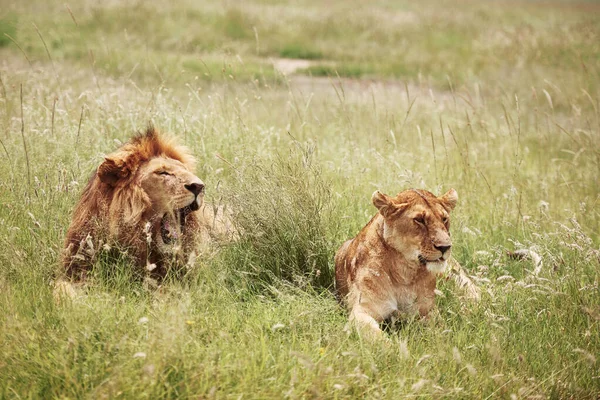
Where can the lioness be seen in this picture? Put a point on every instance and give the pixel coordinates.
(143, 198)
(389, 269)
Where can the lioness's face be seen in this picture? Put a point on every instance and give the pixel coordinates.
(174, 192)
(417, 224)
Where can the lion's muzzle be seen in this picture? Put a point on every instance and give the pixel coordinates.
(197, 189)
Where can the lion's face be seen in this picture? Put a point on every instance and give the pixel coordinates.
(151, 182)
(173, 191)
(417, 225)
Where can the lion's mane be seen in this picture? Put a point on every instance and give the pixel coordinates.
(115, 212)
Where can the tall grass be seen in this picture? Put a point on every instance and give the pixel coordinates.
(282, 209)
(498, 101)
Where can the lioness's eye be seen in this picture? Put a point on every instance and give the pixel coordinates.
(420, 220)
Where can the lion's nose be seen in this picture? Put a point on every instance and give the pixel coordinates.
(443, 249)
(195, 188)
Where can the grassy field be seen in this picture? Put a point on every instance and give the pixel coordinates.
(499, 100)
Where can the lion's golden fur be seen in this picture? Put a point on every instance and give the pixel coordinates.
(118, 208)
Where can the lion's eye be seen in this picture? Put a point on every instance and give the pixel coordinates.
(163, 173)
(445, 220)
(420, 220)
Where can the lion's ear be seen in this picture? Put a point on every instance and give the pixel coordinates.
(385, 204)
(449, 199)
(112, 170)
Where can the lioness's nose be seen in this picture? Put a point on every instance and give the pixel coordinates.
(443, 249)
(195, 188)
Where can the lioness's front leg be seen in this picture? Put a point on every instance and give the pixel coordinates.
(368, 309)
(363, 319)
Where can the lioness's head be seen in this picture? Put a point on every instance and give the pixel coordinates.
(153, 181)
(416, 223)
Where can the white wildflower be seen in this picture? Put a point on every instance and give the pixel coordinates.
(419, 385)
(468, 231)
(276, 327)
(483, 253)
(471, 369)
(403, 349)
(34, 220)
(148, 232)
(150, 266)
(90, 245)
(425, 357)
(191, 260)
(456, 355)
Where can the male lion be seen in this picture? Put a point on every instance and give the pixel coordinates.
(389, 269)
(143, 198)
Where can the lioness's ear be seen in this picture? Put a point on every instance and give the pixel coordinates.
(385, 204)
(449, 199)
(112, 170)
(380, 200)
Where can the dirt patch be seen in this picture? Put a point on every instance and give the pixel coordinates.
(289, 66)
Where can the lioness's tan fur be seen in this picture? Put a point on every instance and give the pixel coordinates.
(389, 269)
